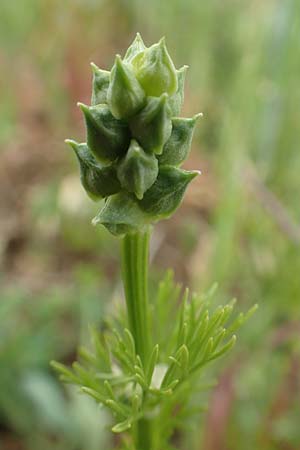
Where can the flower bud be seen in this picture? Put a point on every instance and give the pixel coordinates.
(125, 96)
(177, 147)
(176, 100)
(121, 214)
(155, 70)
(165, 195)
(107, 137)
(152, 126)
(135, 48)
(100, 85)
(99, 182)
(138, 170)
(135, 139)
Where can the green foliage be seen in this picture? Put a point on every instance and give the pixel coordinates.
(184, 341)
(131, 129)
(32, 404)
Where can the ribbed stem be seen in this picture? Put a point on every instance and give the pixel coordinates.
(135, 255)
(135, 251)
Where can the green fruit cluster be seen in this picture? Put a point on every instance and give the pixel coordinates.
(135, 139)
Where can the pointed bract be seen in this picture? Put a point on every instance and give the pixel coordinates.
(176, 100)
(125, 96)
(155, 70)
(164, 197)
(135, 48)
(138, 170)
(107, 137)
(99, 182)
(121, 214)
(99, 85)
(177, 147)
(152, 126)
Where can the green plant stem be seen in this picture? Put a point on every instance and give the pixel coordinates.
(135, 255)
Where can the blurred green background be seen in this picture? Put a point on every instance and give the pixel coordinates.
(239, 224)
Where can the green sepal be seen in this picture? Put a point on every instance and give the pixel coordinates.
(152, 126)
(125, 96)
(176, 100)
(98, 181)
(155, 70)
(107, 137)
(138, 170)
(177, 147)
(99, 85)
(164, 197)
(121, 214)
(135, 48)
